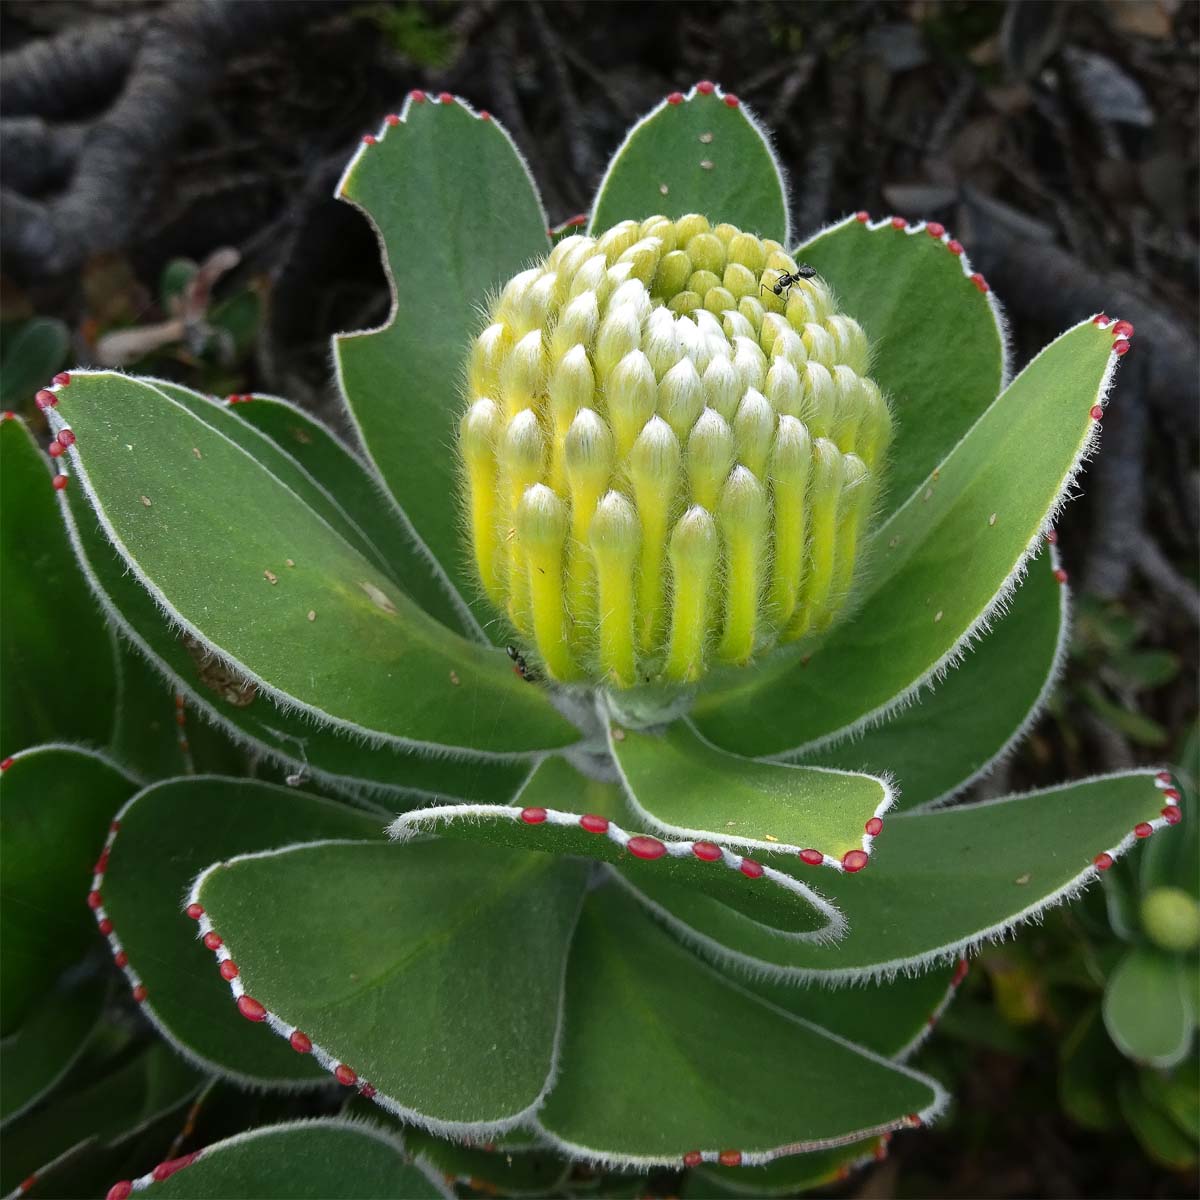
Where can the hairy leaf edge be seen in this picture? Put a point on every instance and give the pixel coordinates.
(719, 94)
(175, 620)
(998, 605)
(916, 964)
(330, 1062)
(457, 600)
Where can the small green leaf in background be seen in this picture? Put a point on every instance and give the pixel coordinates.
(938, 351)
(1085, 1076)
(526, 1171)
(695, 153)
(682, 785)
(458, 215)
(326, 1157)
(716, 1068)
(57, 673)
(939, 562)
(1159, 1136)
(111, 1123)
(35, 1057)
(32, 353)
(219, 536)
(436, 976)
(1146, 1009)
(956, 730)
(56, 803)
(168, 834)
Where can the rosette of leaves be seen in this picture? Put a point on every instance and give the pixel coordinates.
(675, 918)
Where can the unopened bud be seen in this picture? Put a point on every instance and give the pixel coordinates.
(576, 326)
(618, 239)
(707, 253)
(742, 516)
(783, 388)
(695, 549)
(753, 431)
(630, 394)
(1171, 918)
(523, 373)
(620, 332)
(710, 451)
(750, 363)
(681, 397)
(487, 356)
(615, 537)
(688, 226)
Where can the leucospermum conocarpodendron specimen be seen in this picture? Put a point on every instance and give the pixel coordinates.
(671, 446)
(607, 946)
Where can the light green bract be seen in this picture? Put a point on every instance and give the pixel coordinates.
(679, 884)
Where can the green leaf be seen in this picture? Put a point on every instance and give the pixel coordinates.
(323, 1157)
(362, 496)
(661, 1056)
(702, 155)
(941, 882)
(50, 620)
(211, 532)
(890, 1017)
(938, 348)
(981, 710)
(1159, 1136)
(55, 804)
(556, 790)
(168, 833)
(1146, 1008)
(1178, 1095)
(37, 1056)
(458, 215)
(121, 1109)
(436, 976)
(942, 566)
(285, 468)
(491, 1168)
(683, 785)
(285, 737)
(785, 1176)
(31, 355)
(1085, 1074)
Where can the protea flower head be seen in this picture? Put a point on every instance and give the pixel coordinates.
(668, 457)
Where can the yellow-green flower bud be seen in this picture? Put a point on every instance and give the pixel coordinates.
(487, 356)
(620, 332)
(542, 535)
(630, 396)
(664, 463)
(615, 538)
(576, 326)
(681, 397)
(753, 430)
(522, 375)
(688, 226)
(695, 549)
(742, 515)
(710, 451)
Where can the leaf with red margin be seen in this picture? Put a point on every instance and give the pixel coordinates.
(50, 620)
(937, 341)
(433, 984)
(55, 804)
(664, 1057)
(458, 214)
(944, 881)
(168, 833)
(696, 153)
(682, 785)
(940, 568)
(557, 811)
(956, 732)
(326, 1156)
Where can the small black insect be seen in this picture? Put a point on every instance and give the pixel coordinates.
(520, 666)
(784, 282)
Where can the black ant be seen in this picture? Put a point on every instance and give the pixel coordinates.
(520, 667)
(784, 282)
